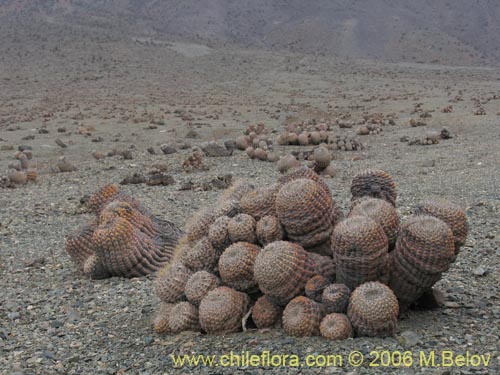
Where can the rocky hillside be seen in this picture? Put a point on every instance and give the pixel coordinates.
(442, 31)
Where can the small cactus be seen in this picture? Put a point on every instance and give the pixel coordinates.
(359, 247)
(242, 228)
(198, 285)
(336, 327)
(269, 229)
(335, 298)
(265, 312)
(236, 266)
(222, 310)
(282, 269)
(302, 317)
(373, 310)
(374, 183)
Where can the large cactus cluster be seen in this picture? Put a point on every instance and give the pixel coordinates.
(123, 239)
(284, 255)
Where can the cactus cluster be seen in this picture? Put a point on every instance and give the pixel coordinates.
(123, 239)
(20, 172)
(283, 255)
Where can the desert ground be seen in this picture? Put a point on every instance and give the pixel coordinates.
(140, 94)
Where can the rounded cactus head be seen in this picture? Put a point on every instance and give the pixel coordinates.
(242, 228)
(335, 298)
(359, 247)
(171, 281)
(383, 213)
(336, 327)
(305, 209)
(222, 310)
(161, 318)
(266, 313)
(322, 157)
(198, 285)
(427, 243)
(183, 317)
(260, 202)
(197, 226)
(451, 214)
(199, 256)
(218, 234)
(304, 172)
(323, 265)
(269, 230)
(373, 310)
(374, 183)
(282, 269)
(302, 317)
(236, 266)
(315, 286)
(424, 249)
(108, 193)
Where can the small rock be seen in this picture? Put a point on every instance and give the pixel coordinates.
(480, 271)
(409, 338)
(56, 324)
(61, 143)
(13, 315)
(167, 149)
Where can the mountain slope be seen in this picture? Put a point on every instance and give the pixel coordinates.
(458, 31)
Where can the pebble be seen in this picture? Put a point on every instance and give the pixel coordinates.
(480, 271)
(409, 338)
(13, 315)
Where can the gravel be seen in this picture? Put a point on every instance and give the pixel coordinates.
(55, 321)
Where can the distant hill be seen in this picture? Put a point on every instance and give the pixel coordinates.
(444, 31)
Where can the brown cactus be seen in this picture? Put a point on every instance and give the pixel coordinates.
(359, 247)
(302, 317)
(374, 183)
(94, 268)
(199, 256)
(260, 202)
(127, 251)
(424, 250)
(171, 282)
(236, 266)
(218, 234)
(222, 310)
(198, 286)
(160, 320)
(383, 213)
(31, 175)
(373, 310)
(451, 214)
(304, 172)
(183, 317)
(323, 265)
(80, 245)
(197, 226)
(266, 313)
(336, 327)
(282, 270)
(269, 229)
(242, 228)
(335, 298)
(315, 286)
(108, 193)
(305, 210)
